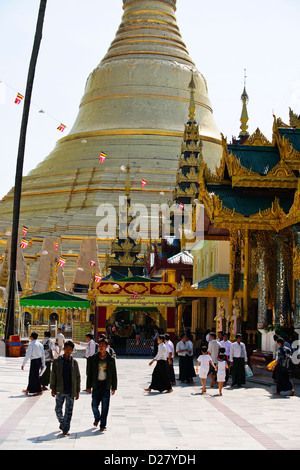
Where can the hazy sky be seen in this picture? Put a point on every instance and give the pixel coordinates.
(222, 37)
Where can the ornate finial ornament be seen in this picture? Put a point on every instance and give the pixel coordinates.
(244, 116)
(192, 87)
(127, 187)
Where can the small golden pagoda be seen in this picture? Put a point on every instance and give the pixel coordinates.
(125, 258)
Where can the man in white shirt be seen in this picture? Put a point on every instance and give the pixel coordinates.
(35, 353)
(170, 358)
(225, 343)
(183, 350)
(90, 349)
(238, 359)
(213, 351)
(60, 339)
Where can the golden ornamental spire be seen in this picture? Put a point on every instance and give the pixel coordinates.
(54, 284)
(127, 187)
(192, 109)
(244, 116)
(27, 287)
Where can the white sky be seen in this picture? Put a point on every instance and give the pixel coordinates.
(222, 37)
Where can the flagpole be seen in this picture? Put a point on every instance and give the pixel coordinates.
(10, 315)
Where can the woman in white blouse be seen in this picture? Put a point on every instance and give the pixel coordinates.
(160, 379)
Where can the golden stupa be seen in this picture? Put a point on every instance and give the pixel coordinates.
(134, 108)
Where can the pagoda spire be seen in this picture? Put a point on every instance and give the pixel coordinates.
(192, 108)
(244, 116)
(127, 187)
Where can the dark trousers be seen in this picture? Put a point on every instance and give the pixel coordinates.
(283, 379)
(238, 371)
(34, 385)
(170, 369)
(45, 378)
(101, 396)
(64, 419)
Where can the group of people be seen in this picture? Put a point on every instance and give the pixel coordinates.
(218, 356)
(65, 379)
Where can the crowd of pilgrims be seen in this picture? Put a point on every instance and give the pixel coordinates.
(217, 359)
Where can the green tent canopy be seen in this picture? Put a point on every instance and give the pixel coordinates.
(54, 299)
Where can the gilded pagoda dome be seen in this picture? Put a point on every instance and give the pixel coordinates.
(134, 108)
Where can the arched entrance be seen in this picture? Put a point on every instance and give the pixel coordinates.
(131, 309)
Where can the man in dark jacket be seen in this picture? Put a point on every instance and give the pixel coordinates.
(102, 378)
(65, 386)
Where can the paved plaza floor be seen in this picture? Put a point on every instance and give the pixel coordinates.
(248, 418)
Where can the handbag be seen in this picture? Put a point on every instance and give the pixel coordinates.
(248, 371)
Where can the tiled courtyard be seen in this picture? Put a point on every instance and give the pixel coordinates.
(244, 418)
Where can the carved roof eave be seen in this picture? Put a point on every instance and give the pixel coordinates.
(281, 176)
(258, 139)
(218, 175)
(274, 218)
(286, 150)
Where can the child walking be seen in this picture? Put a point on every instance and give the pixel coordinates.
(221, 371)
(204, 360)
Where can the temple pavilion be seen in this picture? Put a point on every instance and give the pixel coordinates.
(253, 197)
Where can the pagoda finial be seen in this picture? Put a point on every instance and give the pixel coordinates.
(27, 287)
(192, 108)
(127, 186)
(244, 116)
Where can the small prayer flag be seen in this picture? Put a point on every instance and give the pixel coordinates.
(92, 262)
(61, 262)
(19, 98)
(61, 127)
(134, 294)
(98, 277)
(25, 230)
(143, 183)
(24, 243)
(102, 157)
(181, 206)
(55, 245)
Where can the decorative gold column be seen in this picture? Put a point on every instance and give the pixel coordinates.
(195, 307)
(246, 276)
(231, 275)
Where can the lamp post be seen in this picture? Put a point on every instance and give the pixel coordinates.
(10, 315)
